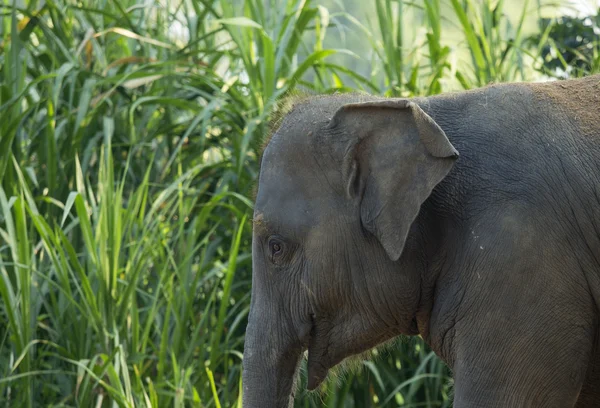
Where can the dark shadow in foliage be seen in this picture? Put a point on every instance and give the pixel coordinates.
(573, 48)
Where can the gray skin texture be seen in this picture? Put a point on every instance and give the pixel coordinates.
(472, 219)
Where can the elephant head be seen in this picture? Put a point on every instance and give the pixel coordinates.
(341, 184)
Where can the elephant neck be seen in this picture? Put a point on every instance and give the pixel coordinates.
(434, 232)
(429, 231)
(440, 220)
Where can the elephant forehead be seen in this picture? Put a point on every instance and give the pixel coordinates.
(290, 164)
(284, 203)
(292, 193)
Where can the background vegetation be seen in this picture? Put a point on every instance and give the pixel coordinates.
(129, 143)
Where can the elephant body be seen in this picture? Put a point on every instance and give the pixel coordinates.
(520, 240)
(471, 218)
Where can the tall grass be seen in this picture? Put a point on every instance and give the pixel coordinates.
(129, 138)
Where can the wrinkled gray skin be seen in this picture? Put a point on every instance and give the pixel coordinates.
(472, 219)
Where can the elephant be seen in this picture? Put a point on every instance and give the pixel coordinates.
(470, 218)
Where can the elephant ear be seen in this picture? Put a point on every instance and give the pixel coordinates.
(394, 154)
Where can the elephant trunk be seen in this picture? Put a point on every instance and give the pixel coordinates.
(271, 357)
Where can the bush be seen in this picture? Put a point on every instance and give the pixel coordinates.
(572, 45)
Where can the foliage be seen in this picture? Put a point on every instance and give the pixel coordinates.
(573, 45)
(130, 133)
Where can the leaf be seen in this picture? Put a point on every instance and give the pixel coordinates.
(240, 22)
(126, 33)
(135, 83)
(68, 205)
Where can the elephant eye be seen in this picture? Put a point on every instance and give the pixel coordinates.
(275, 247)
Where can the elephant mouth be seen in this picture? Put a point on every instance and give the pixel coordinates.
(317, 372)
(319, 358)
(414, 327)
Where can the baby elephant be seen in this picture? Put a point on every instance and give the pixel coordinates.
(471, 219)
